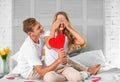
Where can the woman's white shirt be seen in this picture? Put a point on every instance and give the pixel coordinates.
(52, 54)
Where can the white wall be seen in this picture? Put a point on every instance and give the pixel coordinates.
(112, 30)
(5, 26)
(86, 16)
(5, 23)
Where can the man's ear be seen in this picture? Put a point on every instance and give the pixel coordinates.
(29, 33)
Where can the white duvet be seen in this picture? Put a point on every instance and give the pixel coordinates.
(107, 73)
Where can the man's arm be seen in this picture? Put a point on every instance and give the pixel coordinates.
(42, 70)
(62, 59)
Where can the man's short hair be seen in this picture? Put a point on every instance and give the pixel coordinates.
(28, 24)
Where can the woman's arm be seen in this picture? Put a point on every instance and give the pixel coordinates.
(76, 65)
(78, 37)
(54, 27)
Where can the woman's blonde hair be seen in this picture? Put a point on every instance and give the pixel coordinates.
(65, 31)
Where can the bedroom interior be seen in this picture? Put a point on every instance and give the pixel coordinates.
(97, 20)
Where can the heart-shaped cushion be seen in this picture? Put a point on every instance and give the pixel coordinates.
(58, 41)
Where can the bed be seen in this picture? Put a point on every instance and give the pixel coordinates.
(107, 73)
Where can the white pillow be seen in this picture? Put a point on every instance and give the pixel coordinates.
(15, 56)
(15, 66)
(90, 58)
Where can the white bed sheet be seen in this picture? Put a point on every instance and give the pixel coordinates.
(106, 74)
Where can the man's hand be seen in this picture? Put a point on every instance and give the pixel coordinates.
(62, 56)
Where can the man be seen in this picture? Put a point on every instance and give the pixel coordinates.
(29, 57)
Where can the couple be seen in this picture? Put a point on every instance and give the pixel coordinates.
(57, 66)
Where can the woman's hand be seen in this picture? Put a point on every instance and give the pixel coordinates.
(62, 56)
(56, 24)
(66, 23)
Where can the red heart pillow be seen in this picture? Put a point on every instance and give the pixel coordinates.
(57, 42)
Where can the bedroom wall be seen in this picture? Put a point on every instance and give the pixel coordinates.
(86, 16)
(5, 25)
(112, 31)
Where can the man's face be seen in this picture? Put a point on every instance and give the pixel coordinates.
(38, 29)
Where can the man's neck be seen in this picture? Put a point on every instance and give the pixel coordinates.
(35, 40)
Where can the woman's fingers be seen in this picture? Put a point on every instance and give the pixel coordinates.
(62, 52)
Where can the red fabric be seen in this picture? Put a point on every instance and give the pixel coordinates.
(10, 78)
(29, 81)
(96, 79)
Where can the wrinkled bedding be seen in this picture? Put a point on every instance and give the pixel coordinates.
(106, 74)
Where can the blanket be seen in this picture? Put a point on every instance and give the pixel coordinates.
(106, 74)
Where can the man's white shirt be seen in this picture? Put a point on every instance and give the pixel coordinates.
(28, 56)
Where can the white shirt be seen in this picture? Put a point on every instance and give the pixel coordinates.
(52, 54)
(28, 56)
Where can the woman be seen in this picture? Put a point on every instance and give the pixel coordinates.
(61, 24)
